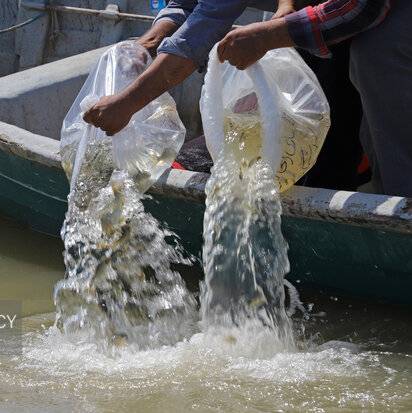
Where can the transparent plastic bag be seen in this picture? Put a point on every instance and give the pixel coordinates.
(275, 110)
(150, 142)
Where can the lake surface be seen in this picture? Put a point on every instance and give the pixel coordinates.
(208, 373)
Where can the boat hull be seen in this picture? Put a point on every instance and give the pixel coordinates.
(357, 243)
(354, 259)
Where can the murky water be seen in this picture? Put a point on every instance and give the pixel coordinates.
(207, 373)
(30, 264)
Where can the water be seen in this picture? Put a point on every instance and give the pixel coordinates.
(30, 264)
(202, 374)
(119, 287)
(244, 254)
(127, 336)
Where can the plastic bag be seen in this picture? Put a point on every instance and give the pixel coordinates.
(150, 142)
(274, 110)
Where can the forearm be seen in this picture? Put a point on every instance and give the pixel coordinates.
(154, 36)
(166, 23)
(164, 73)
(276, 34)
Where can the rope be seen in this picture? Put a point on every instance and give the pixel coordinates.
(18, 26)
(68, 9)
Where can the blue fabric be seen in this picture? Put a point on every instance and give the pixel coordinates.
(203, 23)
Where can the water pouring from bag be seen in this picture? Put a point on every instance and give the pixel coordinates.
(250, 119)
(120, 286)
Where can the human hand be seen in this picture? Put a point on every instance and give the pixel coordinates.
(285, 7)
(153, 37)
(111, 114)
(244, 46)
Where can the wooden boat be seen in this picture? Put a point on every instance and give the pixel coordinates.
(359, 244)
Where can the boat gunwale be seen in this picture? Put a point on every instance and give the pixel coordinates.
(382, 212)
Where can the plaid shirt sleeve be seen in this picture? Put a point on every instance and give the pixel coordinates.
(314, 28)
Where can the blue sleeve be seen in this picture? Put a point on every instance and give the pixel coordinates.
(206, 25)
(177, 11)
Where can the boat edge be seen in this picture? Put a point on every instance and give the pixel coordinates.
(392, 213)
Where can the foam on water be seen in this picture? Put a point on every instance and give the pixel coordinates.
(209, 352)
(205, 373)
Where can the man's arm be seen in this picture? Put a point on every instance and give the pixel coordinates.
(179, 56)
(154, 36)
(113, 113)
(244, 46)
(166, 23)
(312, 28)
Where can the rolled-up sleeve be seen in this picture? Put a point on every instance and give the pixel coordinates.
(314, 28)
(176, 11)
(208, 23)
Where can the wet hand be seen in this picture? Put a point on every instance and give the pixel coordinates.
(111, 114)
(244, 46)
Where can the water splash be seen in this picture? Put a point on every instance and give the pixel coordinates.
(245, 255)
(119, 286)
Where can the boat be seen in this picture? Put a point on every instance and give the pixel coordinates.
(353, 243)
(35, 32)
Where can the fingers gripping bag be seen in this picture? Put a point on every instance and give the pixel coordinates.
(275, 110)
(145, 148)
